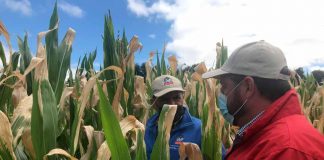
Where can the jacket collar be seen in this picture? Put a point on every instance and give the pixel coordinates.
(186, 121)
(286, 105)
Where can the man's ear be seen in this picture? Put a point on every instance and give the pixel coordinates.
(249, 86)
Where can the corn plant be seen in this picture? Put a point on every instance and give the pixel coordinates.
(100, 114)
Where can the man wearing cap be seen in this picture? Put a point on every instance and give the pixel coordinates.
(257, 97)
(185, 128)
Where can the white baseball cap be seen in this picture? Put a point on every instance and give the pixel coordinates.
(165, 84)
(257, 59)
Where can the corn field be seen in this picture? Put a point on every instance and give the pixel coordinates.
(49, 112)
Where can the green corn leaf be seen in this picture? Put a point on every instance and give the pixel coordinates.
(2, 56)
(92, 57)
(211, 142)
(37, 125)
(82, 66)
(161, 146)
(44, 118)
(112, 130)
(224, 54)
(15, 60)
(158, 65)
(140, 150)
(50, 121)
(51, 40)
(4, 152)
(124, 44)
(25, 59)
(163, 65)
(110, 55)
(63, 62)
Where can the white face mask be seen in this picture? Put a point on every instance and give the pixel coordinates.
(222, 103)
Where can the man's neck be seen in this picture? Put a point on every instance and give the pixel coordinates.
(249, 115)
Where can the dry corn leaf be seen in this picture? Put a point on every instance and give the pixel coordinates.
(120, 76)
(66, 93)
(5, 134)
(190, 151)
(35, 61)
(70, 37)
(104, 88)
(19, 92)
(193, 88)
(201, 68)
(24, 109)
(169, 116)
(200, 100)
(83, 99)
(41, 71)
(99, 137)
(3, 80)
(139, 100)
(173, 64)
(133, 46)
(27, 142)
(126, 95)
(187, 89)
(89, 133)
(129, 123)
(148, 67)
(5, 33)
(83, 81)
(95, 97)
(59, 152)
(210, 88)
(104, 152)
(116, 100)
(197, 77)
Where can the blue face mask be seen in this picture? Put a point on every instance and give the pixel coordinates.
(222, 104)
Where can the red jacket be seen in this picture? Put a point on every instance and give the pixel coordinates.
(282, 132)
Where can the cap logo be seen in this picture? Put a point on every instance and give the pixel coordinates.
(167, 81)
(179, 140)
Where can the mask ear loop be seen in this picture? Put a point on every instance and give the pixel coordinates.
(150, 105)
(240, 108)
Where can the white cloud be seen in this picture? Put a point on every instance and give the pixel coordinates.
(152, 36)
(317, 68)
(295, 26)
(70, 9)
(23, 6)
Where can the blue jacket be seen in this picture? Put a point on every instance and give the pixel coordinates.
(187, 130)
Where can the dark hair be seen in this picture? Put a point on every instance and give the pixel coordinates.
(269, 88)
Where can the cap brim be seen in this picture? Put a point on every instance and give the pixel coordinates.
(165, 91)
(214, 73)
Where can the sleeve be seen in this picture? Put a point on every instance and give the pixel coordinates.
(223, 152)
(148, 144)
(288, 153)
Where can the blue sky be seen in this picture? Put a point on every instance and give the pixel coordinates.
(190, 28)
(87, 19)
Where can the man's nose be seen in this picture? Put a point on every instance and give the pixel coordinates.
(172, 102)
